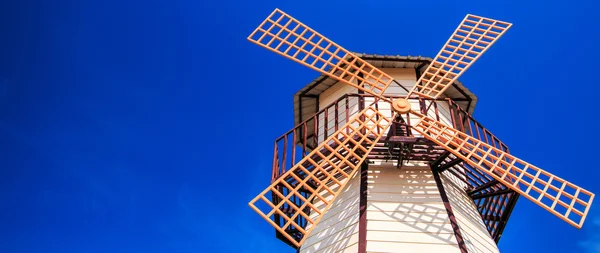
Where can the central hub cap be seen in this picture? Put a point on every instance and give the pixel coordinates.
(401, 105)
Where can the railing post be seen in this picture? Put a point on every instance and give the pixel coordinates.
(304, 137)
(316, 134)
(275, 168)
(294, 147)
(347, 113)
(361, 107)
(336, 116)
(326, 123)
(285, 149)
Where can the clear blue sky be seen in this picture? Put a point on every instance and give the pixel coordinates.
(147, 126)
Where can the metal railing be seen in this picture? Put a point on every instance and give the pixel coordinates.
(299, 141)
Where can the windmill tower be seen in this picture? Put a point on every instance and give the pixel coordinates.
(386, 157)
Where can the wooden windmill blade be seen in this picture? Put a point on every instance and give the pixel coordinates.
(284, 35)
(566, 200)
(304, 193)
(320, 176)
(473, 36)
(470, 40)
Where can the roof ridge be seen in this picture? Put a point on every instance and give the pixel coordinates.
(391, 56)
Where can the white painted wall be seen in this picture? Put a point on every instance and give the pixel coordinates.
(333, 93)
(405, 212)
(338, 229)
(327, 98)
(474, 232)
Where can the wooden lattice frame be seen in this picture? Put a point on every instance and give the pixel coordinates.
(569, 202)
(284, 35)
(348, 148)
(473, 36)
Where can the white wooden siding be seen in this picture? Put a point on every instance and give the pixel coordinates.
(338, 229)
(405, 77)
(333, 93)
(474, 232)
(405, 212)
(329, 96)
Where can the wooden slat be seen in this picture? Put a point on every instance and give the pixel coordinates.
(569, 202)
(284, 35)
(346, 148)
(473, 36)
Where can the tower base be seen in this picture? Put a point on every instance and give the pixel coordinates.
(411, 209)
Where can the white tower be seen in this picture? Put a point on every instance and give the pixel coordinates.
(386, 157)
(406, 207)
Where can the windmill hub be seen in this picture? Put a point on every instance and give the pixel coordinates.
(401, 105)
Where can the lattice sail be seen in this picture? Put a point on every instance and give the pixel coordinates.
(305, 192)
(569, 202)
(473, 36)
(284, 35)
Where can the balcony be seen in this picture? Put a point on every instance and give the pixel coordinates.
(493, 200)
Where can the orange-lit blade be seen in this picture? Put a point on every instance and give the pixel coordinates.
(286, 36)
(471, 38)
(305, 192)
(569, 202)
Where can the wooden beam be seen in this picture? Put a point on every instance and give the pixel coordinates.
(483, 187)
(457, 233)
(491, 194)
(449, 164)
(436, 164)
(362, 221)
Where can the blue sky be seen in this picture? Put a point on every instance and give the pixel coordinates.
(131, 126)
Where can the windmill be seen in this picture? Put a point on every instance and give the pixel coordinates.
(393, 165)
